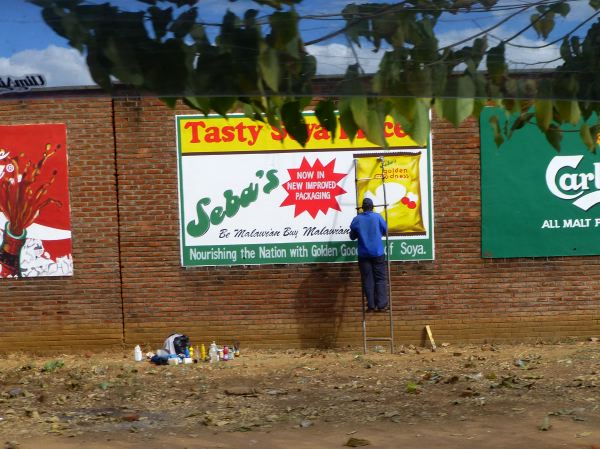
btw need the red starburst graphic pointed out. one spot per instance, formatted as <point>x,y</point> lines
<point>313,188</point>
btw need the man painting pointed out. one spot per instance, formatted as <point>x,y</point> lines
<point>369,228</point>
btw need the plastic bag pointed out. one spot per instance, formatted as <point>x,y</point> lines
<point>176,344</point>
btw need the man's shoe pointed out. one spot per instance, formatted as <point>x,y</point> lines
<point>370,310</point>
<point>384,309</point>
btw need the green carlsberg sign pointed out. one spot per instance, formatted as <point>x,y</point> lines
<point>536,201</point>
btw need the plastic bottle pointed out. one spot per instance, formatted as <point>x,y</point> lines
<point>213,353</point>
<point>137,353</point>
<point>191,352</point>
<point>202,352</point>
<point>225,353</point>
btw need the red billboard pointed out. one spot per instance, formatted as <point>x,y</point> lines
<point>34,202</point>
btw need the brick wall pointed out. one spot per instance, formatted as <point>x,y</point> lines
<point>134,223</point>
<point>83,310</point>
<point>462,296</point>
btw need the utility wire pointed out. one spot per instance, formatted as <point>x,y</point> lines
<point>555,41</point>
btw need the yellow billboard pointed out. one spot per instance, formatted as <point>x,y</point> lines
<point>215,134</point>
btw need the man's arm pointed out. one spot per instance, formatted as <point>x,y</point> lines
<point>354,229</point>
<point>383,225</point>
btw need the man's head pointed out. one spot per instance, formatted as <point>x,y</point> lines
<point>367,204</point>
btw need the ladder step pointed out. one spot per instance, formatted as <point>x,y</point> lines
<point>378,339</point>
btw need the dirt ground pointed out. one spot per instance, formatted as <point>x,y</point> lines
<point>479,396</point>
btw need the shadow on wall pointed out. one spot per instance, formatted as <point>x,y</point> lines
<point>322,301</point>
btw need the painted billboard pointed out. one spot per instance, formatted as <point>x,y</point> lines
<point>535,200</point>
<point>249,194</point>
<point>34,202</point>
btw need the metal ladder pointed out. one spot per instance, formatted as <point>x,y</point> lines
<point>390,338</point>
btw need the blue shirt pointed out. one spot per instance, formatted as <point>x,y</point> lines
<point>368,227</point>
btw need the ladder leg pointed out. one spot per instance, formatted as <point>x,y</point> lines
<point>388,262</point>
<point>362,289</point>
<point>364,320</point>
<point>390,310</point>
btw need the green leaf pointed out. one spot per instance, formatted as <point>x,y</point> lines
<point>496,64</point>
<point>325,112</point>
<point>413,115</point>
<point>488,4</point>
<point>347,119</point>
<point>198,34</point>
<point>170,102</point>
<point>356,24</point>
<point>565,49</point>
<point>124,64</point>
<point>304,102</point>
<point>184,23</point>
<point>554,136</point>
<point>269,67</point>
<point>586,137</point>
<point>459,105</point>
<point>160,19</point>
<point>478,107</point>
<point>568,111</point>
<point>284,29</point>
<point>576,45</point>
<point>98,68</point>
<point>562,8</point>
<point>544,112</point>
<point>199,103</point>
<point>520,122</point>
<point>498,138</point>
<point>421,126</point>
<point>359,108</point>
<point>543,23</point>
<point>293,120</point>
<point>404,110</point>
<point>374,129</point>
<point>222,105</point>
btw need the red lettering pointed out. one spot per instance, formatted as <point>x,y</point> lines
<point>277,134</point>
<point>309,129</point>
<point>321,134</point>
<point>228,134</point>
<point>240,132</point>
<point>398,131</point>
<point>212,135</point>
<point>388,125</point>
<point>359,134</point>
<point>194,126</point>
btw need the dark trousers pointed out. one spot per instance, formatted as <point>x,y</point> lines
<point>373,272</point>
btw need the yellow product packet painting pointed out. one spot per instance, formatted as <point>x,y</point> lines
<point>402,189</point>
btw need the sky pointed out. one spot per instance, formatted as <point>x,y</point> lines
<point>29,46</point>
